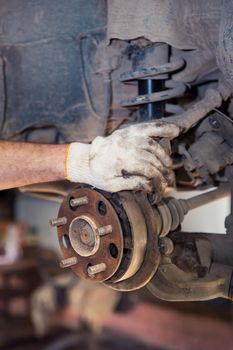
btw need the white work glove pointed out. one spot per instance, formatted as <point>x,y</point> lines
<point>126,160</point>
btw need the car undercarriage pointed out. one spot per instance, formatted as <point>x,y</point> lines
<point>75,70</point>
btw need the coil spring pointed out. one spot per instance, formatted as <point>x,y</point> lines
<point>173,88</point>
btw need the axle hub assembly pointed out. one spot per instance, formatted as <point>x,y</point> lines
<point>104,237</point>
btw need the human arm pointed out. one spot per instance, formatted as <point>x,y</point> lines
<point>23,164</point>
<point>126,160</point>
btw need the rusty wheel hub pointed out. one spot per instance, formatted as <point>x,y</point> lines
<point>104,237</point>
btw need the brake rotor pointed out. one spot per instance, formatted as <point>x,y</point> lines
<point>151,254</point>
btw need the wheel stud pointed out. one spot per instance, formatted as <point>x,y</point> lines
<point>93,270</point>
<point>68,262</point>
<point>58,221</point>
<point>105,230</point>
<point>77,202</point>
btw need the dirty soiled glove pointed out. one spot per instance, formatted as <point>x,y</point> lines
<point>126,160</point>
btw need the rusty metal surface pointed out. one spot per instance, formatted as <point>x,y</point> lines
<point>102,254</point>
<point>186,270</point>
<point>128,272</point>
<point>173,284</point>
<point>152,255</point>
<point>139,233</point>
<point>211,150</point>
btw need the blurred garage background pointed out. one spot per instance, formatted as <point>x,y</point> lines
<point>45,307</point>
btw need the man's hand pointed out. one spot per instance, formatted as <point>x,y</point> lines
<point>126,160</point>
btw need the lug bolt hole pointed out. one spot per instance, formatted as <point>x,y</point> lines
<point>113,250</point>
<point>72,208</point>
<point>86,269</point>
<point>66,241</point>
<point>101,208</point>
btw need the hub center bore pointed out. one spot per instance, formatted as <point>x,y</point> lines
<point>83,236</point>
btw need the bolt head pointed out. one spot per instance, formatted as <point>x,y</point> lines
<point>214,122</point>
<point>166,246</point>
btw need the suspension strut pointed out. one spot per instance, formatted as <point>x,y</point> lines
<point>154,83</point>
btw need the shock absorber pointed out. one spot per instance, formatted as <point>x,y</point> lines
<point>154,83</point>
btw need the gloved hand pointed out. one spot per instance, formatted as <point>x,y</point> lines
<point>126,160</point>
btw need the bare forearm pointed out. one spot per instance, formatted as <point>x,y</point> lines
<point>133,151</point>
<point>26,163</point>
